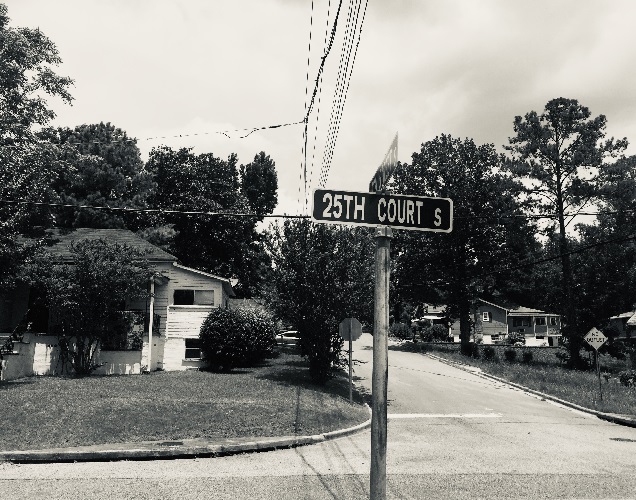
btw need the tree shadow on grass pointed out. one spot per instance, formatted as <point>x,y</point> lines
<point>294,372</point>
<point>7,385</point>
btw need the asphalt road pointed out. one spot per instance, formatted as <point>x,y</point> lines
<point>451,434</point>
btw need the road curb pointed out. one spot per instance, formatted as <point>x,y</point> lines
<point>188,448</point>
<point>610,417</point>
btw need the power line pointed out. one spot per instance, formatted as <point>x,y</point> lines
<point>303,177</point>
<point>342,85</point>
<point>249,130</point>
<point>199,212</point>
<point>313,154</point>
<point>146,210</point>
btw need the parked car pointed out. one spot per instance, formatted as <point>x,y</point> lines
<point>288,337</point>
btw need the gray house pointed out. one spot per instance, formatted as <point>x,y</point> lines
<point>493,323</point>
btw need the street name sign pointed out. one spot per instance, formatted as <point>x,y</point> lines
<point>418,213</point>
<point>386,168</point>
<point>595,338</point>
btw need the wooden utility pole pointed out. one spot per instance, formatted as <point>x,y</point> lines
<point>383,236</point>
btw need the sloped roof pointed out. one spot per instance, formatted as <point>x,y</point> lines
<point>632,320</point>
<point>519,310</point>
<point>623,315</point>
<point>60,242</point>
<point>227,284</point>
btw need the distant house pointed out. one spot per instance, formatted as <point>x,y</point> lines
<point>624,324</point>
<point>168,325</point>
<point>493,323</point>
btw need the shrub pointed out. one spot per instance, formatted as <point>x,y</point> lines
<point>562,356</point>
<point>236,337</point>
<point>510,355</point>
<point>490,353</point>
<point>526,357</point>
<point>474,350</point>
<point>434,333</point>
<point>516,338</point>
<point>400,330</point>
<point>628,378</point>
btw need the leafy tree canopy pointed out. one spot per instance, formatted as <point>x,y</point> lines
<point>26,78</point>
<point>259,184</point>
<point>85,297</point>
<point>488,229</point>
<point>562,154</point>
<point>222,244</point>
<point>321,275</point>
<point>98,165</point>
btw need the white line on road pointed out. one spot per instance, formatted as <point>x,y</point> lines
<point>444,415</point>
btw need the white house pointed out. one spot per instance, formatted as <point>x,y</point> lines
<point>169,319</point>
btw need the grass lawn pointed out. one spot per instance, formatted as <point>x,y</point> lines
<point>545,374</point>
<point>276,399</point>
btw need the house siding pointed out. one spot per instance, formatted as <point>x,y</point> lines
<point>175,323</point>
<point>497,324</point>
<point>119,363</point>
<point>180,322</point>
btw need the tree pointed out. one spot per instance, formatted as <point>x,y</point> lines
<point>561,154</point>
<point>26,78</point>
<point>607,293</point>
<point>221,244</point>
<point>259,184</point>
<point>98,165</point>
<point>85,297</point>
<point>490,236</point>
<point>321,275</point>
<point>26,74</point>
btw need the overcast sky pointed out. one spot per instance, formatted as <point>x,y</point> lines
<point>177,72</point>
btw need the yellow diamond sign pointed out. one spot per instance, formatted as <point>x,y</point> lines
<point>595,338</point>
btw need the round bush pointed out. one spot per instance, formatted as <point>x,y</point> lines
<point>233,338</point>
<point>400,330</point>
<point>526,357</point>
<point>434,333</point>
<point>628,378</point>
<point>489,353</point>
<point>510,355</point>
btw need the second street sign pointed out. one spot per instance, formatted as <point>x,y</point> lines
<point>419,213</point>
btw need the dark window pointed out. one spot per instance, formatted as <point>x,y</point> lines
<point>553,321</point>
<point>192,349</point>
<point>183,297</point>
<point>194,297</point>
<point>539,321</point>
<point>520,322</point>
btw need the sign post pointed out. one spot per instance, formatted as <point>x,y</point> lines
<point>382,211</point>
<point>596,339</point>
<point>350,329</point>
<point>379,380</point>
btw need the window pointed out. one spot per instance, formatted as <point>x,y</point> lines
<point>183,297</point>
<point>539,321</point>
<point>520,322</point>
<point>494,337</point>
<point>192,349</point>
<point>485,316</point>
<point>553,322</point>
<point>194,297</point>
